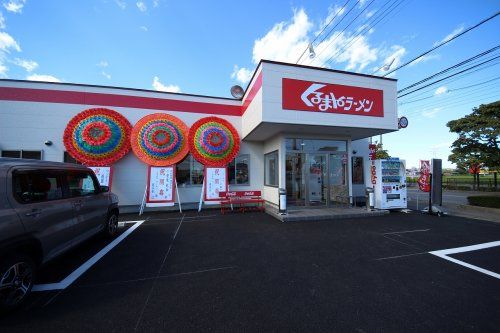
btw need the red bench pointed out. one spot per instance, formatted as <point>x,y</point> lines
<point>241,199</point>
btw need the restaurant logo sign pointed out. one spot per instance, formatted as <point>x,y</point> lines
<point>332,98</point>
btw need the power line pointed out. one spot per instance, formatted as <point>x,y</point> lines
<point>331,30</point>
<point>445,42</point>
<point>482,54</point>
<point>437,81</point>
<point>459,77</point>
<point>449,91</point>
<point>376,20</point>
<point>324,28</point>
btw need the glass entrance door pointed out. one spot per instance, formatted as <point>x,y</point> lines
<point>295,179</point>
<point>317,179</point>
<point>339,188</point>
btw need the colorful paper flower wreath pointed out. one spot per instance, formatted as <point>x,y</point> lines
<point>97,137</point>
<point>213,141</point>
<point>160,139</point>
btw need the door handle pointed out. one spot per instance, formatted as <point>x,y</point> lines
<point>34,212</point>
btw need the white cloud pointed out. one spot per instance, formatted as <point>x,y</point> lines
<point>15,6</point>
<point>143,28</point>
<point>3,69</point>
<point>106,75</point>
<point>432,113</point>
<point>2,21</point>
<point>441,90</point>
<point>370,13</point>
<point>157,85</point>
<point>28,65</point>
<point>42,77</point>
<point>457,30</point>
<point>102,63</point>
<point>121,3</point>
<point>142,6</point>
<point>242,75</point>
<point>7,43</point>
<point>285,41</point>
<point>156,3</point>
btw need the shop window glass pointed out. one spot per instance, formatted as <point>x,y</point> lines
<point>196,172</point>
<point>31,154</point>
<point>182,172</point>
<point>67,158</point>
<point>239,170</point>
<point>271,168</point>
<point>189,172</point>
<point>315,145</point>
<point>357,170</point>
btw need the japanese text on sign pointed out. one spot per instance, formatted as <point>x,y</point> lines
<point>215,182</point>
<point>332,98</point>
<point>161,184</point>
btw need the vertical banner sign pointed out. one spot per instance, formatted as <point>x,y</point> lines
<point>423,180</point>
<point>104,175</point>
<point>160,191</point>
<point>215,182</point>
<point>373,169</point>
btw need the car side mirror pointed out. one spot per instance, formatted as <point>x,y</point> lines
<point>104,188</point>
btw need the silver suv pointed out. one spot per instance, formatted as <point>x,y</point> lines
<point>46,208</point>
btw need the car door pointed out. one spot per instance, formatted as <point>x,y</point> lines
<point>38,198</point>
<point>90,204</point>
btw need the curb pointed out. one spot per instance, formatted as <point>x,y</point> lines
<point>480,209</point>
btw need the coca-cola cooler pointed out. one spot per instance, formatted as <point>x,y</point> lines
<point>390,184</point>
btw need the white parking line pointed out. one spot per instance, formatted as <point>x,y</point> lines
<point>405,231</point>
<point>444,254</point>
<point>89,263</point>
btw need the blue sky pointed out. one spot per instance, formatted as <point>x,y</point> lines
<point>203,47</point>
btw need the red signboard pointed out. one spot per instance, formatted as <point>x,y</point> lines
<point>332,98</point>
<point>373,151</point>
<point>424,180</point>
<point>232,194</point>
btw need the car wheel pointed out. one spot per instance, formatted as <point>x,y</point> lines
<point>111,227</point>
<point>17,275</point>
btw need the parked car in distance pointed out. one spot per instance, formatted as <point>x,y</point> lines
<point>46,208</point>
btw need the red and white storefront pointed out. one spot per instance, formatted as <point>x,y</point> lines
<point>302,128</point>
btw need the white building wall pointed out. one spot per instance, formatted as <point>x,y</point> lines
<point>272,102</point>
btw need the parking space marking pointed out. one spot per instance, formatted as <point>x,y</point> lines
<point>402,256</point>
<point>405,231</point>
<point>444,255</point>
<point>67,281</point>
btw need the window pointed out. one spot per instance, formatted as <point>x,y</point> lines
<point>189,172</point>
<point>238,170</point>
<point>67,158</point>
<point>357,170</point>
<point>36,186</point>
<point>315,145</point>
<point>31,154</point>
<point>271,165</point>
<point>81,184</point>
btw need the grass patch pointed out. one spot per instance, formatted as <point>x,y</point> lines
<point>484,201</point>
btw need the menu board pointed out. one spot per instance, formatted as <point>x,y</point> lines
<point>103,175</point>
<point>215,182</point>
<point>160,185</point>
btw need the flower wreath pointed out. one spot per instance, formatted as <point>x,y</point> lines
<point>97,137</point>
<point>160,139</point>
<point>213,141</point>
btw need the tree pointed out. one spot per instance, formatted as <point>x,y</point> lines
<point>478,143</point>
<point>381,153</point>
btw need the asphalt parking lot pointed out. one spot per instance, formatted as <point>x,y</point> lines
<point>248,272</point>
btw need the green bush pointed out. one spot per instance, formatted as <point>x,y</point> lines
<point>485,201</point>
